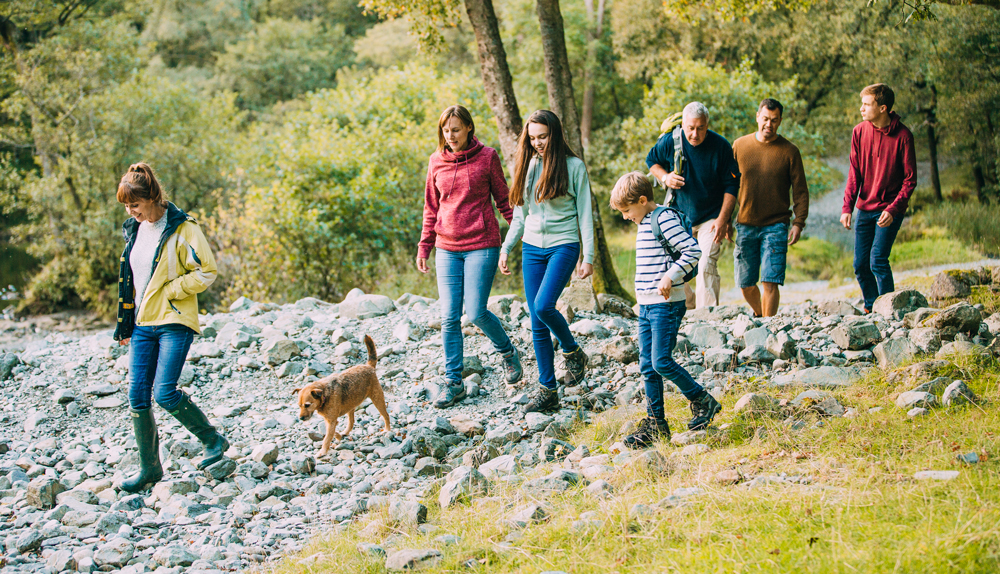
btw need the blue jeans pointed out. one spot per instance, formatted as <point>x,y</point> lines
<point>658,326</point>
<point>760,247</point>
<point>467,276</point>
<point>546,273</point>
<point>156,357</point>
<point>872,245</point>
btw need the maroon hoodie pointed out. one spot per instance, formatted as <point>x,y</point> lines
<point>458,213</point>
<point>883,168</point>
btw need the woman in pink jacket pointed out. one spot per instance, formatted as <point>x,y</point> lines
<point>462,178</point>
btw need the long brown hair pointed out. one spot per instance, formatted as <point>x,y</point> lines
<point>139,182</point>
<point>463,116</point>
<point>555,173</point>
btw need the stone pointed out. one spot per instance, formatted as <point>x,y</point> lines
<point>720,360</point>
<point>479,455</point>
<point>428,466</point>
<point>728,477</point>
<point>926,340</point>
<point>856,335</point>
<point>240,304</point>
<point>499,466</point>
<point>465,425</point>
<point>61,560</point>
<point>917,372</point>
<point>756,336</point>
<point>947,286</point>
<point>818,377</point>
<point>408,512</point>
<point>115,553</point>
<point>110,522</point>
<point>366,306</point>
<point>526,515</point>
<point>837,307</point>
<point>222,469</point>
<point>911,399</point>
<point>936,474</point>
<point>553,449</point>
<point>7,363</point>
<point>100,390</point>
<point>958,393</point>
<point>266,453</point>
<point>615,305</point>
<point>898,303</point>
<point>173,556</point>
<point>694,449</point>
<point>590,328</point>
<point>412,559</point>
<point>891,352</point>
<point>621,349</point>
<point>302,464</point>
<point>537,421</point>
<point>580,295</point>
<point>280,351</point>
<point>781,346</point>
<point>755,354</point>
<point>428,443</point>
<point>461,484</point>
<point>653,462</point>
<point>42,492</point>
<point>754,403</point>
<point>63,396</point>
<point>471,365</point>
<point>206,349</point>
<point>913,319</point>
<point>109,403</point>
<point>968,458</point>
<point>958,318</point>
<point>916,412</point>
<point>934,386</point>
<point>706,336</point>
<point>29,540</point>
<point>406,331</point>
<point>503,435</point>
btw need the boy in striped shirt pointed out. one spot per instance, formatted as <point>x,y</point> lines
<point>659,289</point>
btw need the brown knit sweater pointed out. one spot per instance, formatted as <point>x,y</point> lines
<point>767,172</point>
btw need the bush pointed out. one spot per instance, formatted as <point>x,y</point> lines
<point>971,222</point>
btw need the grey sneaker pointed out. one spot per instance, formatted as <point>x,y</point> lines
<point>543,400</point>
<point>512,364</point>
<point>576,367</point>
<point>703,410</point>
<point>451,394</point>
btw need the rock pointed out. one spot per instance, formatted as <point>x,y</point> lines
<point>580,295</point>
<point>926,340</point>
<point>427,443</point>
<point>100,390</point>
<point>947,286</point>
<point>7,363</point>
<point>891,352</point>
<point>960,348</point>
<point>302,464</point>
<point>406,331</point>
<point>706,336</point>
<point>855,335</point>
<point>615,305</point>
<point>819,402</point>
<point>754,403</point>
<point>781,346</point>
<point>755,354</point>
<point>428,466</point>
<point>590,328</point>
<point>480,455</point>
<point>601,488</point>
<point>622,349</point>
<point>42,492</point>
<point>500,305</point>
<point>526,515</point>
<point>756,336</point>
<point>728,477</point>
<point>110,522</point>
<point>366,306</point>
<point>466,426</point>
<point>553,449</point>
<point>934,386</point>
<point>898,303</point>
<point>173,556</point>
<point>911,399</point>
<point>280,351</point>
<point>653,462</point>
<point>29,540</point>
<point>471,365</point>
<point>936,474</point>
<point>916,412</point>
<point>837,308</point>
<point>958,318</point>
<point>109,403</point>
<point>913,319</point>
<point>206,349</point>
<point>266,453</point>
<point>240,304</point>
<point>63,396</point>
<point>61,560</point>
<point>916,372</point>
<point>818,377</point>
<point>499,466</point>
<point>720,360</point>
<point>537,421</point>
<point>968,458</point>
<point>115,553</point>
<point>461,484</point>
<point>958,393</point>
<point>412,559</point>
<point>408,512</point>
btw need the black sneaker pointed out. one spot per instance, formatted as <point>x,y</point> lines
<point>649,431</point>
<point>576,367</point>
<point>512,364</point>
<point>703,410</point>
<point>543,400</point>
<point>450,394</point>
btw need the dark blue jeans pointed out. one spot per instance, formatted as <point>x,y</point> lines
<point>872,245</point>
<point>546,273</point>
<point>156,357</point>
<point>467,276</point>
<point>658,326</point>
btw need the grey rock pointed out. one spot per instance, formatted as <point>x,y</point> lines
<point>100,390</point>
<point>61,560</point>
<point>109,403</point>
<point>898,303</point>
<point>429,466</point>
<point>7,363</point>
<point>480,455</point>
<point>960,348</point>
<point>622,349</point>
<point>115,553</point>
<point>173,556</point>
<point>706,336</point>
<point>110,522</point>
<point>266,453</point>
<point>720,360</point>
<point>503,435</point>
<point>427,443</point>
<point>526,515</point>
<point>499,466</point>
<point>958,318</point>
<point>615,305</point>
<point>580,295</point>
<point>412,559</point>
<point>926,339</point>
<point>855,335</point>
<point>537,421</point>
<point>281,350</point>
<point>29,540</point>
<point>472,365</point>
<point>818,377</point>
<point>916,412</point>
<point>891,352</point>
<point>947,286</point>
<point>781,346</point>
<point>837,308</point>
<point>461,484</point>
<point>911,399</point>
<point>756,354</point>
<point>590,328</point>
<point>553,449</point>
<point>756,336</point>
<point>366,306</point>
<point>958,393</point>
<point>222,469</point>
<point>63,396</point>
<point>968,458</point>
<point>42,492</point>
<point>913,319</point>
<point>754,403</point>
<point>934,386</point>
<point>408,512</point>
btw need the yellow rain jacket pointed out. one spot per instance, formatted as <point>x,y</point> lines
<point>182,267</point>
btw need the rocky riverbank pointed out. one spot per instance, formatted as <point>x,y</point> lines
<point>65,438</point>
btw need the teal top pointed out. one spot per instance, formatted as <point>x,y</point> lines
<point>565,219</point>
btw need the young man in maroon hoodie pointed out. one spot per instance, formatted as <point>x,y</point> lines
<point>881,179</point>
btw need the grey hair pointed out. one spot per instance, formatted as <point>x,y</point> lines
<point>696,110</point>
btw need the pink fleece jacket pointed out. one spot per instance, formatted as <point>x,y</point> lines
<point>458,213</point>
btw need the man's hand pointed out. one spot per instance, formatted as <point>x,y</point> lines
<point>845,220</point>
<point>793,234</point>
<point>124,342</point>
<point>721,229</point>
<point>503,264</point>
<point>422,265</point>
<point>885,220</point>
<point>664,287</point>
<point>673,181</point>
<point>585,270</point>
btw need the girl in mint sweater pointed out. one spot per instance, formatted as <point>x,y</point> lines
<point>552,213</point>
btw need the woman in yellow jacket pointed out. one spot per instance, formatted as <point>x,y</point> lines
<point>166,263</point>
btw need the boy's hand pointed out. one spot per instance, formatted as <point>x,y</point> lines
<point>503,264</point>
<point>585,270</point>
<point>665,286</point>
<point>884,220</point>
<point>845,220</point>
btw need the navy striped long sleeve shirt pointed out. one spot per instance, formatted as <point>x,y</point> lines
<point>652,262</point>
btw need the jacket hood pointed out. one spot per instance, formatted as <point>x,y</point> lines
<point>475,146</point>
<point>175,217</point>
<point>893,124</point>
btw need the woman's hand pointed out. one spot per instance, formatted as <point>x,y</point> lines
<point>124,342</point>
<point>503,264</point>
<point>585,270</point>
<point>422,265</point>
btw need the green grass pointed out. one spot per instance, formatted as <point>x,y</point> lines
<point>861,511</point>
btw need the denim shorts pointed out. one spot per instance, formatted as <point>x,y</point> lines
<point>760,247</point>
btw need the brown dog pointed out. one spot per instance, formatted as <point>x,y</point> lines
<point>341,393</point>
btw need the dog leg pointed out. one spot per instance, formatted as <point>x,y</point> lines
<point>331,430</point>
<point>378,399</point>
<point>350,422</point>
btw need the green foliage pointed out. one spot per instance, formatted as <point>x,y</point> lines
<point>971,222</point>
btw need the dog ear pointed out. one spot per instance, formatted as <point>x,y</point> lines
<point>317,394</point>
<point>295,391</point>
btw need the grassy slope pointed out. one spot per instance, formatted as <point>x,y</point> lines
<point>862,511</point>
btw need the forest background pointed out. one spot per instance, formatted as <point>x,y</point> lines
<point>298,132</point>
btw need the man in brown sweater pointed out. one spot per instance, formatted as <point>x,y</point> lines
<point>773,177</point>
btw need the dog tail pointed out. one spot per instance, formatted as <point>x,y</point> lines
<point>372,355</point>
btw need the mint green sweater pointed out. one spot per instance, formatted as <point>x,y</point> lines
<point>566,219</point>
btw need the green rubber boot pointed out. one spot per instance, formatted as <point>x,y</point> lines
<point>195,421</point>
<point>148,442</point>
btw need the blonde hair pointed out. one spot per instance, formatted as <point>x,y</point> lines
<point>629,188</point>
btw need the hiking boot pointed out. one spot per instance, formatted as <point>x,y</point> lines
<point>542,400</point>
<point>649,431</point>
<point>512,364</point>
<point>703,410</point>
<point>576,367</point>
<point>148,442</point>
<point>452,393</point>
<point>215,445</point>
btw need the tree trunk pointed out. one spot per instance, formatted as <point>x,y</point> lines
<point>977,173</point>
<point>590,69</point>
<point>560,88</point>
<point>932,141</point>
<point>496,76</point>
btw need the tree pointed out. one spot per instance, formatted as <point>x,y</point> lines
<point>590,68</point>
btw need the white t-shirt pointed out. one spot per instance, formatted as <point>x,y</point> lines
<point>143,252</point>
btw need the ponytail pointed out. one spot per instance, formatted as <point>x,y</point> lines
<point>139,182</point>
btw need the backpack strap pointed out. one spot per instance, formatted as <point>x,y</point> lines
<point>677,134</point>
<point>654,223</point>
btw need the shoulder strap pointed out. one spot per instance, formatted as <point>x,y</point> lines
<point>654,223</point>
